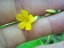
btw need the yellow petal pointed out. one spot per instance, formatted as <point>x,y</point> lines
<point>19,17</point>
<point>28,26</point>
<point>22,25</point>
<point>30,18</point>
<point>24,13</point>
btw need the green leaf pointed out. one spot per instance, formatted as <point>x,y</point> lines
<point>0,26</point>
<point>30,44</point>
<point>37,42</point>
<point>62,37</point>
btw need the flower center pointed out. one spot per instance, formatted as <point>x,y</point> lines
<point>27,19</point>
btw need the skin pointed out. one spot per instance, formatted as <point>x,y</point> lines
<point>11,36</point>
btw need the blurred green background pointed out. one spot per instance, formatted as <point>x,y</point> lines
<point>50,39</point>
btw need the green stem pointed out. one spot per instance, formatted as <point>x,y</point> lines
<point>48,39</point>
<point>8,24</point>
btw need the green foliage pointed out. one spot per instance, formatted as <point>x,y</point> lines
<point>62,36</point>
<point>0,26</point>
<point>30,44</point>
<point>51,39</point>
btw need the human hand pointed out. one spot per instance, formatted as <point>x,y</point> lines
<point>11,36</point>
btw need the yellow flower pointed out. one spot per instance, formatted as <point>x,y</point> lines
<point>25,19</point>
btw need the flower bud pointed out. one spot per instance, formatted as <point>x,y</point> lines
<point>51,11</point>
<point>35,18</point>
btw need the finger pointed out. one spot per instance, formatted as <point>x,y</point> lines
<point>43,26</point>
<point>9,8</point>
<point>11,36</point>
<point>56,45</point>
<point>38,7</point>
<point>7,11</point>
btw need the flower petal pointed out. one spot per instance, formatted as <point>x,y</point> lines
<point>22,25</point>
<point>28,26</point>
<point>19,17</point>
<point>30,18</point>
<point>24,13</point>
